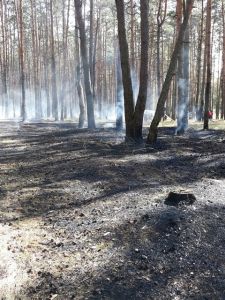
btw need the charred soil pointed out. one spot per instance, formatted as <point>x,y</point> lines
<point>84,215</point>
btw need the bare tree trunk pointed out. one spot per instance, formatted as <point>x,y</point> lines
<point>180,71</point>
<point>126,74</point>
<point>46,65</point>
<point>65,57</point>
<point>81,99</point>
<point>142,95</point>
<point>78,82</point>
<point>94,59</point>
<point>87,82</point>
<point>21,55</point>
<point>4,67</point>
<point>53,66</point>
<point>209,75</point>
<point>183,85</point>
<point>199,60</point>
<point>218,89</point>
<point>35,64</point>
<point>91,37</point>
<point>119,92</point>
<point>132,43</point>
<point>223,68</point>
<point>133,61</point>
<point>160,21</point>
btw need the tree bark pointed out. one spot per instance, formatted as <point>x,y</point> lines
<point>86,67</point>
<point>126,74</point>
<point>53,67</point>
<point>119,92</point>
<point>142,95</point>
<point>183,85</point>
<point>223,68</point>
<point>3,60</point>
<point>35,62</point>
<point>160,21</point>
<point>199,63</point>
<point>209,75</point>
<point>91,38</point>
<point>78,82</point>
<point>21,55</point>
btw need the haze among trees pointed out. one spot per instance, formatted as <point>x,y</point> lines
<point>61,60</point>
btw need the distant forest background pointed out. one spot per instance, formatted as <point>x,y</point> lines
<point>42,74</point>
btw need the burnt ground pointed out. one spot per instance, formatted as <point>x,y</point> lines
<point>83,215</point>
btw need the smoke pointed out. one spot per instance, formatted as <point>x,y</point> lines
<point>182,118</point>
<point>135,84</point>
<point>109,111</point>
<point>106,113</point>
<point>148,116</point>
<point>10,109</point>
<point>193,114</point>
<point>183,103</point>
<point>10,105</point>
<point>182,83</point>
<point>120,101</point>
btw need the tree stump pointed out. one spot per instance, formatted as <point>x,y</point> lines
<point>180,198</point>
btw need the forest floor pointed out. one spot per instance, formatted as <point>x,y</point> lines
<point>83,215</point>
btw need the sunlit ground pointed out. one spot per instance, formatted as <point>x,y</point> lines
<point>213,124</point>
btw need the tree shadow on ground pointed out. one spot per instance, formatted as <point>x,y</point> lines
<point>167,253</point>
<point>171,254</point>
<point>77,187</point>
<point>65,173</point>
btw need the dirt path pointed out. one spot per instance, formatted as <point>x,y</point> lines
<point>82,215</point>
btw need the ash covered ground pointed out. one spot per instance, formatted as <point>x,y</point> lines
<point>83,215</point>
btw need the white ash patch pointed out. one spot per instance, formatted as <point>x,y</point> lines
<point>11,276</point>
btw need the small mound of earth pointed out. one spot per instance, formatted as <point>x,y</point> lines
<point>181,198</point>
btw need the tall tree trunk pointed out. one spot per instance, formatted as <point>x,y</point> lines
<point>119,92</point>
<point>160,21</point>
<point>126,74</point>
<point>94,58</point>
<point>180,71</point>
<point>209,75</point>
<point>35,72</point>
<point>142,95</point>
<point>21,55</point>
<point>46,64</point>
<point>183,85</point>
<point>3,59</point>
<point>87,82</point>
<point>132,43</point>
<point>153,130</point>
<point>91,37</point>
<point>199,60</point>
<point>65,17</point>
<point>133,61</point>
<point>80,92</point>
<point>53,66</point>
<point>223,67</point>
